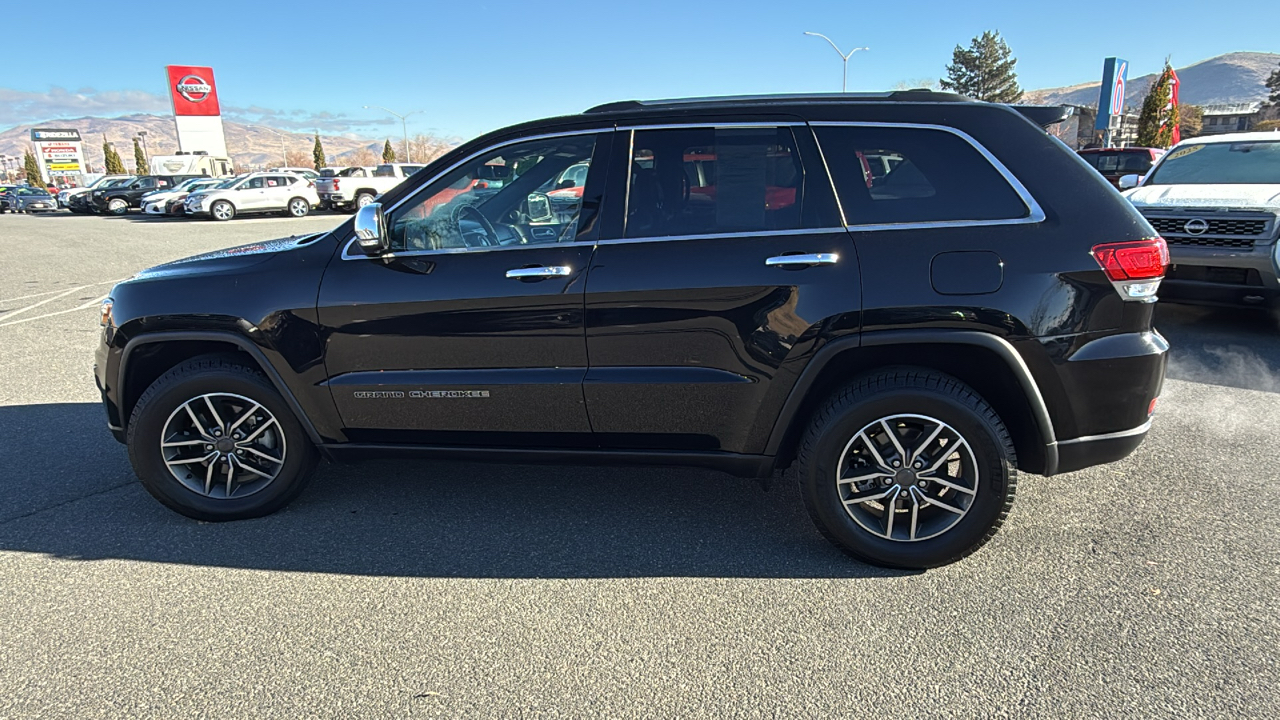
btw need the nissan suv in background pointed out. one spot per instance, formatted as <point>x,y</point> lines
<point>262,192</point>
<point>1216,200</point>
<point>730,289</point>
<point>1115,163</point>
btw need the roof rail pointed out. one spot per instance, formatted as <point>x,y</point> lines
<point>918,95</point>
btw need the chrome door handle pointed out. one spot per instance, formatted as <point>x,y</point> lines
<point>810,259</point>
<point>540,272</point>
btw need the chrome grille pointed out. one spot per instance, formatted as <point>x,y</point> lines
<point>1217,226</point>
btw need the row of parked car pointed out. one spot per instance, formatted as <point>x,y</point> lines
<point>294,192</point>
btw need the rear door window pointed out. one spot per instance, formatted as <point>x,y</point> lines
<point>700,181</point>
<point>893,175</point>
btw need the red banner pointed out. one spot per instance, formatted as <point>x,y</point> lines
<point>192,90</point>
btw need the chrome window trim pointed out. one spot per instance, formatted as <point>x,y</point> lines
<point>451,168</point>
<point>717,236</point>
<point>347,253</point>
<point>1035,214</point>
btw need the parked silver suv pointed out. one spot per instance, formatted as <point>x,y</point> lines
<point>1216,201</point>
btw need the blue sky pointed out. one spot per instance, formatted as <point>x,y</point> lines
<point>474,65</point>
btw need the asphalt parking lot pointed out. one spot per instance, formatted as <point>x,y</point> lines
<point>1147,588</point>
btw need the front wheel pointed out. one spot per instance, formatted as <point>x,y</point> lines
<point>907,468</point>
<point>117,206</point>
<point>298,207</point>
<point>213,440</point>
<point>222,210</point>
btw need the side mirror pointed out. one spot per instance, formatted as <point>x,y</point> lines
<point>540,208</point>
<point>371,230</point>
<point>1128,182</point>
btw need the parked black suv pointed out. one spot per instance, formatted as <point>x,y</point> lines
<point>907,298</point>
<point>119,199</point>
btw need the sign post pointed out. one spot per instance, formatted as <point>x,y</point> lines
<point>1115,74</point>
<point>60,155</point>
<point>196,113</point>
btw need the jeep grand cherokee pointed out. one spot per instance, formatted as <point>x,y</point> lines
<point>906,298</point>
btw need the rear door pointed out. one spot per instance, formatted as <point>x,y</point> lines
<point>724,258</point>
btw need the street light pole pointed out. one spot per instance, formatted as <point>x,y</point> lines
<point>404,126</point>
<point>844,83</point>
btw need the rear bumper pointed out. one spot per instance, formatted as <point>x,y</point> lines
<point>1083,452</point>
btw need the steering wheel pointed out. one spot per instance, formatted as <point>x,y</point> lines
<point>491,234</point>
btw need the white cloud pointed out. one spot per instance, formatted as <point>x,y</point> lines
<point>19,107</point>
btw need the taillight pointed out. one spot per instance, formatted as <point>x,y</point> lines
<point>310,184</point>
<point>1134,268</point>
<point>335,184</point>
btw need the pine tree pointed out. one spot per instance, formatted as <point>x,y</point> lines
<point>1273,84</point>
<point>317,153</point>
<point>111,158</point>
<point>139,158</point>
<point>32,169</point>
<point>1155,129</point>
<point>388,154</point>
<point>985,71</point>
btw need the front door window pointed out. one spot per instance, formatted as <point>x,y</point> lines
<point>528,193</point>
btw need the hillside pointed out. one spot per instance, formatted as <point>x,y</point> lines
<point>248,144</point>
<point>1231,78</point>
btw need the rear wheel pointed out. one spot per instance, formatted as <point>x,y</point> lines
<point>298,207</point>
<point>907,468</point>
<point>362,199</point>
<point>213,440</point>
<point>222,210</point>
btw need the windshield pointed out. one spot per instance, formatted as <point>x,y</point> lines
<point>1225,163</point>
<point>117,182</point>
<point>29,191</point>
<point>189,184</point>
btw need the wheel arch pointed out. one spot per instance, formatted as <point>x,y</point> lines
<point>146,357</point>
<point>985,362</point>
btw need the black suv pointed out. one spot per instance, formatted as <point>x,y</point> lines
<point>906,298</point>
<point>119,199</point>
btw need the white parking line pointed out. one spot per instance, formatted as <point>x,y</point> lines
<point>82,308</point>
<point>8,316</point>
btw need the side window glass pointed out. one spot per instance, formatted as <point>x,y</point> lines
<point>887,175</point>
<point>510,196</point>
<point>699,181</point>
<point>254,184</point>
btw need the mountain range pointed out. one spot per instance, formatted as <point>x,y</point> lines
<point>249,145</point>
<point>1232,78</point>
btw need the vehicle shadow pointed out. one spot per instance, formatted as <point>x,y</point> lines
<point>1232,347</point>
<point>410,518</point>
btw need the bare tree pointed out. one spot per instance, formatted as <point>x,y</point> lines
<point>429,147</point>
<point>360,157</point>
<point>926,83</point>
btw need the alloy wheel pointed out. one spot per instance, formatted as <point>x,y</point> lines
<point>907,477</point>
<point>222,211</point>
<point>298,207</point>
<point>223,446</point>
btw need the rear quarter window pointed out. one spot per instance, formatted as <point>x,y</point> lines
<point>891,175</point>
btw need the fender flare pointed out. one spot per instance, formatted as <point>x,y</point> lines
<point>239,341</point>
<point>996,344</point>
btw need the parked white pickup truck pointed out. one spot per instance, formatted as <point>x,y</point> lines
<point>359,186</point>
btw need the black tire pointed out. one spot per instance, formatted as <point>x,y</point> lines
<point>215,374</point>
<point>118,206</point>
<point>361,200</point>
<point>902,392</point>
<point>222,210</point>
<point>297,207</point>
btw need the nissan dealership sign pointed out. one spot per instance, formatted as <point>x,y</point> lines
<point>194,94</point>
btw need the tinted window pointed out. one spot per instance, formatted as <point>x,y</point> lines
<point>505,197</point>
<point>1120,162</point>
<point>904,175</point>
<point>253,183</point>
<point>699,181</point>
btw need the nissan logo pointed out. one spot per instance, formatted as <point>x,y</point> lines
<point>194,88</point>
<point>1196,226</point>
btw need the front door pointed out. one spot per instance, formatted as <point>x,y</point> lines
<point>471,331</point>
<point>711,289</point>
<point>251,194</point>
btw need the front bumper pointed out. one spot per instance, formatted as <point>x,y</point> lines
<point>1223,276</point>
